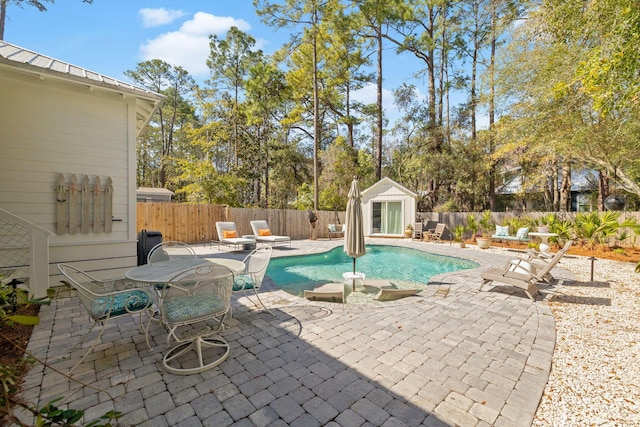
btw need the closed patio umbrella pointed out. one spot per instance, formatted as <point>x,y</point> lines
<point>354,235</point>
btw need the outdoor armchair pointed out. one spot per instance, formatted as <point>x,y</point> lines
<point>103,300</point>
<point>192,307</point>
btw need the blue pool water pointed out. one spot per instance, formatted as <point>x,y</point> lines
<point>401,265</point>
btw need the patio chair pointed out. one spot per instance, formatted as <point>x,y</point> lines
<point>103,301</point>
<point>540,259</point>
<point>170,250</point>
<point>263,234</point>
<point>417,231</point>
<point>335,232</point>
<point>518,273</point>
<point>228,235</point>
<point>250,280</point>
<point>436,233</point>
<point>196,302</point>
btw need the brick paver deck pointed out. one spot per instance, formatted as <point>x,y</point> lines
<point>451,356</point>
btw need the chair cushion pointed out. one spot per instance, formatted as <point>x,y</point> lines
<point>243,281</point>
<point>522,232</point>
<point>192,307</point>
<point>502,230</point>
<point>229,234</point>
<point>264,232</point>
<point>126,302</point>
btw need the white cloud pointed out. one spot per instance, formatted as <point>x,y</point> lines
<point>369,95</point>
<point>189,46</point>
<point>156,17</point>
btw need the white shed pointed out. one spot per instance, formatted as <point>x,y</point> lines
<point>388,208</point>
<point>68,165</point>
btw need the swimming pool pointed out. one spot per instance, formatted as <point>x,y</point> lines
<point>405,267</point>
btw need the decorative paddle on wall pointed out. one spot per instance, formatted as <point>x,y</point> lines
<point>83,207</point>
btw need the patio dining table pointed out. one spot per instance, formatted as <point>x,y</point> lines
<point>164,271</point>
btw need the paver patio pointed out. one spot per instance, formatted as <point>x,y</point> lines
<point>451,356</point>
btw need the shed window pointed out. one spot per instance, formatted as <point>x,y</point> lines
<point>387,217</point>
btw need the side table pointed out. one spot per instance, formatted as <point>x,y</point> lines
<point>353,277</point>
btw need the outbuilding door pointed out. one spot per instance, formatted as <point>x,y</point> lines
<point>386,218</point>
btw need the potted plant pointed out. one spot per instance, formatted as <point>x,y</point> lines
<point>472,225</point>
<point>408,232</point>
<point>458,234</point>
<point>486,226</point>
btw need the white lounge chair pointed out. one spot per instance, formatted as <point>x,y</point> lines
<point>228,235</point>
<point>518,273</point>
<point>263,234</point>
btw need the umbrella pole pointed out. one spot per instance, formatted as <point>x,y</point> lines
<point>353,281</point>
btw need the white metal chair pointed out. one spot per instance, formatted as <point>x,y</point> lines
<point>103,301</point>
<point>169,250</point>
<point>196,302</point>
<point>250,279</point>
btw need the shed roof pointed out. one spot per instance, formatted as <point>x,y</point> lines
<point>388,182</point>
<point>29,61</point>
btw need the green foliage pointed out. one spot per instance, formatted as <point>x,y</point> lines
<point>472,224</point>
<point>486,224</point>
<point>52,415</point>
<point>304,201</point>
<point>458,232</point>
<point>448,206</point>
<point>594,229</point>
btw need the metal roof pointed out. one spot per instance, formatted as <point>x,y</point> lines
<point>45,66</point>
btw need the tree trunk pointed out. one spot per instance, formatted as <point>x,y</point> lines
<point>565,188</point>
<point>316,114</point>
<point>603,188</point>
<point>379,105</point>
<point>554,187</point>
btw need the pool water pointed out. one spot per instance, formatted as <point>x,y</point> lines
<point>404,267</point>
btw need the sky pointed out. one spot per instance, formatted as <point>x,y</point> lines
<point>113,36</point>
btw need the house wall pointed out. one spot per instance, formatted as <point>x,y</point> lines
<point>50,126</point>
<point>387,191</point>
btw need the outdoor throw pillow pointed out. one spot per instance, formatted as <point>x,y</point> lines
<point>332,228</point>
<point>229,234</point>
<point>522,232</point>
<point>264,232</point>
<point>502,230</point>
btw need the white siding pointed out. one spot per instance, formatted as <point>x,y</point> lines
<point>387,190</point>
<point>49,127</point>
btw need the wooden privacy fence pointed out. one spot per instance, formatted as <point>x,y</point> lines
<point>197,223</point>
<point>192,223</point>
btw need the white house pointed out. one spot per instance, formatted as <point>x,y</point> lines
<point>67,168</point>
<point>388,208</point>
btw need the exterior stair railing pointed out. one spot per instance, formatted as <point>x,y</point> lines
<point>24,254</point>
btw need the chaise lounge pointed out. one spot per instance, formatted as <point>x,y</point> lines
<point>263,234</point>
<point>521,274</point>
<point>228,235</point>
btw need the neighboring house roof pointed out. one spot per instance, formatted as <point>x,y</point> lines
<point>581,180</point>
<point>154,193</point>
<point>387,183</point>
<point>46,67</point>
